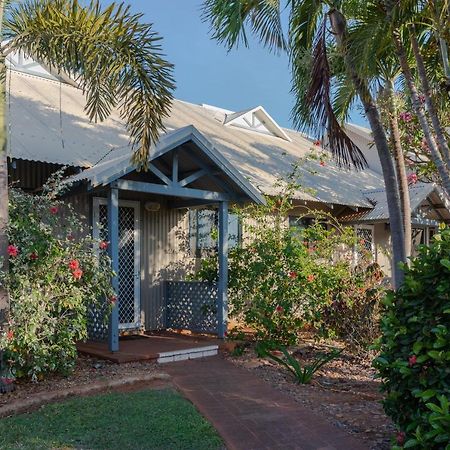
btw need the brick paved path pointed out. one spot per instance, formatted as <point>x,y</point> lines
<point>250,414</point>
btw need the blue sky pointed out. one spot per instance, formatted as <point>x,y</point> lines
<point>206,73</point>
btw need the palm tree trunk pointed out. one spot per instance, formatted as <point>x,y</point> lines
<point>426,89</point>
<point>338,25</point>
<point>400,166</point>
<point>434,150</point>
<point>4,300</point>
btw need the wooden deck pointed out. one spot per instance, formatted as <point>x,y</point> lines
<point>161,347</point>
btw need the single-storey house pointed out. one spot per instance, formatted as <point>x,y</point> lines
<point>207,159</point>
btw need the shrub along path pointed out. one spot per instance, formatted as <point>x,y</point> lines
<point>251,414</point>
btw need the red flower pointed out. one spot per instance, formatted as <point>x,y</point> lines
<point>412,360</point>
<point>54,210</point>
<point>13,250</point>
<point>74,264</point>
<point>103,245</point>
<point>292,274</point>
<point>7,380</point>
<point>322,163</point>
<point>77,274</point>
<point>113,299</point>
<point>33,256</point>
<point>316,142</point>
<point>10,335</point>
<point>406,116</point>
<point>412,178</point>
<point>279,309</point>
<point>400,438</point>
<point>310,278</point>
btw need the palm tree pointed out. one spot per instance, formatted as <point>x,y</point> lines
<point>408,21</point>
<point>309,42</point>
<point>112,56</point>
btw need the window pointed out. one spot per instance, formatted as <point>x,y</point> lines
<point>300,223</point>
<point>364,234</point>
<point>203,230</point>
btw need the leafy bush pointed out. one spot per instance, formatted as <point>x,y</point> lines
<point>353,315</point>
<point>284,278</point>
<point>414,361</point>
<point>55,272</point>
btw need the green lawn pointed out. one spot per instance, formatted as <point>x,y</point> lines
<point>150,419</point>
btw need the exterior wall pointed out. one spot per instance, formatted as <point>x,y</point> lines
<point>382,240</point>
<point>165,256</point>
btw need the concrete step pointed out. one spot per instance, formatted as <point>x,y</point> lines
<point>189,353</point>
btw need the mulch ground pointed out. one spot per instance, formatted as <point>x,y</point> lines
<point>87,371</point>
<point>345,392</point>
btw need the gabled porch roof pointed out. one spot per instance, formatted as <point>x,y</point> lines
<point>182,164</point>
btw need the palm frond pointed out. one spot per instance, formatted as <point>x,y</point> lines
<point>116,59</point>
<point>317,103</point>
<point>229,20</point>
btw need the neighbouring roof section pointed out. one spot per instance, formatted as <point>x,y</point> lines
<point>48,123</point>
<point>428,201</point>
<point>194,153</point>
<point>257,120</point>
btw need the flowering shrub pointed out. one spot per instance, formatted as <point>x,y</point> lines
<point>414,356</point>
<point>353,314</point>
<point>284,278</point>
<point>55,272</point>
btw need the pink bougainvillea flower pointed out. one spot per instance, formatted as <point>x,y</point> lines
<point>113,299</point>
<point>422,98</point>
<point>292,274</point>
<point>103,245</point>
<point>10,335</point>
<point>74,264</point>
<point>7,380</point>
<point>406,116</point>
<point>400,438</point>
<point>13,250</point>
<point>412,360</point>
<point>33,256</point>
<point>310,278</point>
<point>316,142</point>
<point>77,274</point>
<point>412,178</point>
<point>322,163</point>
<point>54,210</point>
<point>279,308</point>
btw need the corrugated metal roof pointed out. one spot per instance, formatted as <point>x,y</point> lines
<point>36,135</point>
<point>418,194</point>
<point>114,168</point>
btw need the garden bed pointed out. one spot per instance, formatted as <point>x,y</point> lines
<point>87,372</point>
<point>344,392</point>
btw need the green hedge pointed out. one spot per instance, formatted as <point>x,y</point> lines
<point>414,361</point>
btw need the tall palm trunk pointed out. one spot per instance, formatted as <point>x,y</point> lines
<point>3,181</point>
<point>426,89</point>
<point>432,145</point>
<point>4,301</point>
<point>338,26</point>
<point>400,166</point>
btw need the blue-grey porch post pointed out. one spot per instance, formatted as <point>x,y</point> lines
<point>222,285</point>
<point>113,235</point>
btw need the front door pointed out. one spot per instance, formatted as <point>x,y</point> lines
<point>129,295</point>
